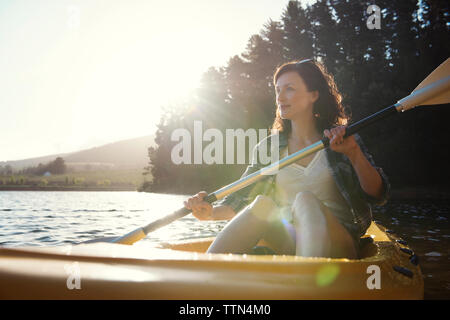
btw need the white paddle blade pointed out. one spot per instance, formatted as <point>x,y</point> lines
<point>435,89</point>
<point>439,73</point>
<point>442,71</point>
<point>443,98</point>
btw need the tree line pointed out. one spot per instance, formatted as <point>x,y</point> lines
<point>373,68</point>
<point>57,166</point>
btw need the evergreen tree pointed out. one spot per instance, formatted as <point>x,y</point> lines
<point>298,35</point>
<point>263,55</point>
<point>324,30</point>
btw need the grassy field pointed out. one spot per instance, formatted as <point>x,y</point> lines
<point>87,180</point>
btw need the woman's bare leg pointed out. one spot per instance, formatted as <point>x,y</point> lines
<point>249,226</point>
<point>319,233</point>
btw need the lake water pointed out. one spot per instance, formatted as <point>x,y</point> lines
<point>425,225</point>
<point>61,218</point>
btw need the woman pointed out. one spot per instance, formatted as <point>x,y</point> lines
<point>319,206</point>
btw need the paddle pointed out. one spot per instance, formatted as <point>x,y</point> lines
<point>434,89</point>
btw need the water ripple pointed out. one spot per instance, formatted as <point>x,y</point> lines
<point>45,238</point>
<point>36,231</point>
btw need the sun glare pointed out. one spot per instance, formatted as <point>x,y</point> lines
<point>146,72</point>
<point>119,86</point>
<point>95,71</point>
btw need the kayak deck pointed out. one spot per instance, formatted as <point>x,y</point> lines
<point>184,271</point>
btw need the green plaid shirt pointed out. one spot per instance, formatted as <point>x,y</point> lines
<point>360,203</point>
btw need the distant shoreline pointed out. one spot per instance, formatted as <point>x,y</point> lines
<point>398,194</point>
<point>53,188</point>
<point>411,193</point>
<point>109,180</point>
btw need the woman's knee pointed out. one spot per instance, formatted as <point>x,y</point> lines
<point>305,199</point>
<point>306,206</point>
<point>262,207</point>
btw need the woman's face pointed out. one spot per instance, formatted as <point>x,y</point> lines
<point>293,98</point>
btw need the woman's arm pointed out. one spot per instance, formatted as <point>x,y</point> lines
<point>369,178</point>
<point>222,213</point>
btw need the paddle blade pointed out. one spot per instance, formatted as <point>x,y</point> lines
<point>435,89</point>
<point>443,98</point>
<point>131,237</point>
<point>105,239</point>
<point>439,73</point>
<point>442,71</point>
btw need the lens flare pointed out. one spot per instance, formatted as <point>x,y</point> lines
<point>327,275</point>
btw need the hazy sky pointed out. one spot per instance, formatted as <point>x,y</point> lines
<point>78,74</point>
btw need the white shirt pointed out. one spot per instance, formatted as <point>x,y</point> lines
<point>315,178</point>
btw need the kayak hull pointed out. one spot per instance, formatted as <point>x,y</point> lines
<point>183,271</point>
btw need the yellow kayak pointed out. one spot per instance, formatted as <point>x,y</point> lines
<point>387,269</point>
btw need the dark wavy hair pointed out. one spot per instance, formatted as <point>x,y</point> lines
<point>328,109</point>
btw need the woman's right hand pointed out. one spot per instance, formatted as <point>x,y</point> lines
<point>202,210</point>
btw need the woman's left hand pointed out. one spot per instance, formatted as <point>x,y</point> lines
<point>340,144</point>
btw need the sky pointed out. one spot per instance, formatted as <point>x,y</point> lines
<point>78,74</point>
